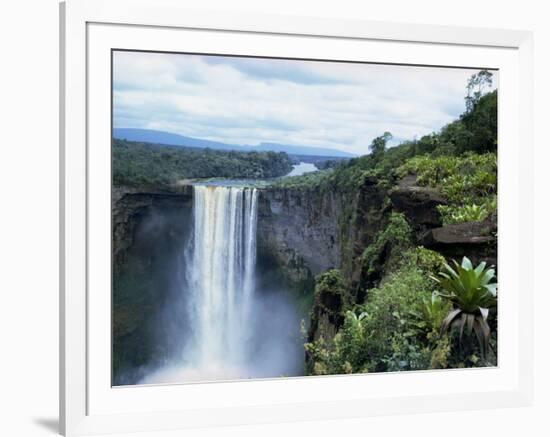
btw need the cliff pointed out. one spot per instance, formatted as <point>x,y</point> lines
<point>305,232</point>
<point>302,233</point>
<point>131,205</point>
<point>150,230</point>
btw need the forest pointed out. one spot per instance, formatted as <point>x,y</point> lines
<point>144,164</point>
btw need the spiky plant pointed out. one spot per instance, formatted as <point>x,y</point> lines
<point>472,293</point>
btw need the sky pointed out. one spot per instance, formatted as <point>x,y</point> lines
<point>311,103</point>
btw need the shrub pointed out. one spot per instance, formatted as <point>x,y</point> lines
<point>396,329</point>
<point>332,283</point>
<point>307,181</point>
<point>388,246</point>
<point>472,293</point>
<point>468,213</point>
<point>468,182</point>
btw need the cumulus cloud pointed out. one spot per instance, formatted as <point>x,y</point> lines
<point>250,100</point>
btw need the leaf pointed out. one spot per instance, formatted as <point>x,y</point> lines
<point>483,333</point>
<point>487,276</point>
<point>479,335</point>
<point>462,323</point>
<point>470,324</point>
<point>492,288</point>
<point>480,268</point>
<point>467,264</point>
<point>484,312</point>
<point>450,270</point>
<point>449,319</point>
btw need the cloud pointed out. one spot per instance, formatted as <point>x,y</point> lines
<point>252,100</point>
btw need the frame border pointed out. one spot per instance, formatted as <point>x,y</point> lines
<point>74,16</point>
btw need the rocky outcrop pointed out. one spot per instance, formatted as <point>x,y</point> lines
<point>327,315</point>
<point>476,240</point>
<point>419,204</point>
<point>131,205</point>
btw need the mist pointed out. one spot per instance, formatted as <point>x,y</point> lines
<point>218,321</point>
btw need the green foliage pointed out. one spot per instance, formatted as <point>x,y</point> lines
<point>307,181</point>
<point>475,132</point>
<point>427,260</point>
<point>476,85</point>
<point>481,126</point>
<point>468,213</point>
<point>331,282</point>
<point>378,145</point>
<point>431,313</point>
<point>328,163</point>
<point>142,164</point>
<point>472,293</point>
<point>469,182</point>
<point>396,329</point>
<point>388,246</point>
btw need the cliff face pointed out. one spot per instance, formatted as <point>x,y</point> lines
<point>298,232</point>
<point>131,205</point>
<point>150,231</point>
<point>302,233</point>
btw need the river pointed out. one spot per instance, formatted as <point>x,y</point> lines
<point>301,168</point>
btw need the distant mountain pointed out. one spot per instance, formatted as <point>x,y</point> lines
<point>171,139</point>
<point>303,150</point>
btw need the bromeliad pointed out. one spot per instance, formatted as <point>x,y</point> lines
<point>472,293</point>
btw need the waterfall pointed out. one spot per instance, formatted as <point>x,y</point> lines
<point>219,328</point>
<point>221,275</point>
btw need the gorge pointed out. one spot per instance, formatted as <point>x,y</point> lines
<point>228,272</point>
<point>291,264</point>
<point>213,323</point>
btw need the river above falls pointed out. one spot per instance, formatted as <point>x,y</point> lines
<point>302,168</point>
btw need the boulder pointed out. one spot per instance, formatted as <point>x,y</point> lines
<point>476,240</point>
<point>419,204</point>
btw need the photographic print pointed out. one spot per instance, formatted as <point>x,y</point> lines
<point>293,218</point>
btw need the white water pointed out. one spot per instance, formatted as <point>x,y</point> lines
<point>225,328</point>
<point>220,276</point>
<point>221,273</point>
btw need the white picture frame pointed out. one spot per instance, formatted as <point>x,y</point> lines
<point>88,403</point>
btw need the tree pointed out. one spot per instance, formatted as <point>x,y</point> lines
<point>477,85</point>
<point>378,145</point>
<point>481,125</point>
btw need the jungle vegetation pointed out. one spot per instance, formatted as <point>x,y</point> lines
<point>144,164</point>
<point>426,311</point>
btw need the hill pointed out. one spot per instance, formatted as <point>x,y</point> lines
<point>160,137</point>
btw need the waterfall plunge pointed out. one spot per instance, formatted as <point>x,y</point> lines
<point>221,274</point>
<point>219,270</point>
<point>220,328</point>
